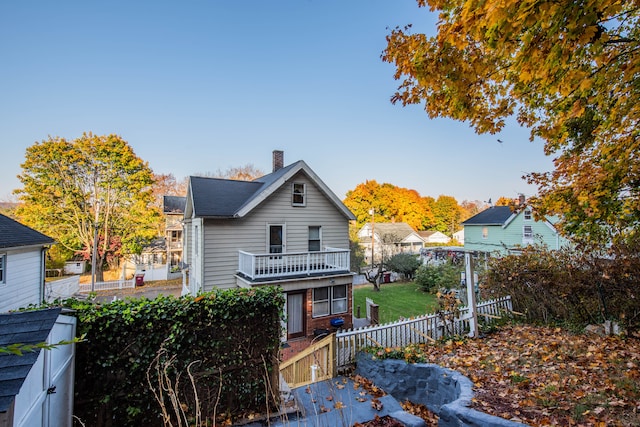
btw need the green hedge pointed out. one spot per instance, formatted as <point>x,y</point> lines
<point>224,342</point>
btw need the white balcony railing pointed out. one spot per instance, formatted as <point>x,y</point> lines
<point>271,266</point>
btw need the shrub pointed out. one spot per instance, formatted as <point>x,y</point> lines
<point>578,286</point>
<point>444,275</point>
<point>404,263</point>
<point>218,352</point>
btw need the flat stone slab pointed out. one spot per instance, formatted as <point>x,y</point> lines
<point>337,402</point>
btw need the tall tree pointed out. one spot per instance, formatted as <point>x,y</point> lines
<point>91,186</point>
<point>247,172</point>
<point>569,70</point>
<point>447,214</point>
<point>390,203</point>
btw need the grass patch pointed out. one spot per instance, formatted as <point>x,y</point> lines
<point>396,300</point>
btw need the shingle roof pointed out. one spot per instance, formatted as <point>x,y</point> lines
<point>495,215</point>
<point>27,327</point>
<point>13,234</point>
<point>214,197</point>
<point>225,198</point>
<point>399,229</point>
<point>173,204</point>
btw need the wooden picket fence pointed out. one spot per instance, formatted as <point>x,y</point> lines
<point>313,364</point>
<point>112,284</point>
<point>412,331</point>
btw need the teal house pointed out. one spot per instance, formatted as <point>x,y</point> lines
<point>501,230</point>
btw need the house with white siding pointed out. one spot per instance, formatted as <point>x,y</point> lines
<point>286,228</point>
<point>22,264</point>
<point>388,239</point>
<point>36,388</point>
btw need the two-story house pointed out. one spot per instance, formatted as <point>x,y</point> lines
<point>173,210</point>
<point>502,230</point>
<point>388,239</point>
<point>286,228</point>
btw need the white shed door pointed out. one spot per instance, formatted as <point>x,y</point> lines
<point>46,397</point>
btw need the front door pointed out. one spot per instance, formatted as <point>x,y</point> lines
<point>295,315</point>
<point>276,239</point>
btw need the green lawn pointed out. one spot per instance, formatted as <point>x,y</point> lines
<point>395,300</point>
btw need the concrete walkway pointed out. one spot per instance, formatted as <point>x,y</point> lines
<point>339,402</point>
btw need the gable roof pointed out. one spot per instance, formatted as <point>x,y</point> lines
<point>400,229</point>
<point>226,198</point>
<point>173,204</point>
<point>495,215</point>
<point>13,234</point>
<point>26,327</point>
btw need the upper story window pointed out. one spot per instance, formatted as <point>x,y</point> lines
<point>485,233</point>
<point>527,215</point>
<point>527,233</point>
<point>299,196</point>
<point>315,238</point>
<point>3,269</point>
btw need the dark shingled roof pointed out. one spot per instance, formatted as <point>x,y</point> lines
<point>495,215</point>
<point>13,234</point>
<point>27,327</point>
<point>223,198</point>
<point>173,204</point>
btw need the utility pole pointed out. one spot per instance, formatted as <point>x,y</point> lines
<point>372,213</point>
<point>95,245</point>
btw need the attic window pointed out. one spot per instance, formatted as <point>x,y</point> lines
<point>527,215</point>
<point>3,268</point>
<point>299,196</point>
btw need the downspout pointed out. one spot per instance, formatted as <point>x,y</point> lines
<point>43,276</point>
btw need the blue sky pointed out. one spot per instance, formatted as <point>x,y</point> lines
<point>201,86</point>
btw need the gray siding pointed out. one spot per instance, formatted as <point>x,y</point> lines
<point>23,279</point>
<point>224,238</point>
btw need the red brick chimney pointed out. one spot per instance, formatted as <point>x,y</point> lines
<point>278,160</point>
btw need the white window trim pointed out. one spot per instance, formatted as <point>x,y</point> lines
<point>268,238</point>
<point>528,216</point>
<point>319,237</point>
<point>314,302</point>
<point>293,194</point>
<point>3,265</point>
<point>527,236</point>
<point>329,301</point>
<point>345,299</point>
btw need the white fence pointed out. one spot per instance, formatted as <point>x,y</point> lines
<point>105,286</point>
<point>419,330</point>
<point>61,288</point>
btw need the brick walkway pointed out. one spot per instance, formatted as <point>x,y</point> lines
<point>293,347</point>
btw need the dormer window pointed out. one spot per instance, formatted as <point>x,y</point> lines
<point>527,215</point>
<point>299,196</point>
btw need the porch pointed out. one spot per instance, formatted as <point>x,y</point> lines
<point>259,267</point>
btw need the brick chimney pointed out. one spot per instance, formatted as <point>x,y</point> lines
<point>278,160</point>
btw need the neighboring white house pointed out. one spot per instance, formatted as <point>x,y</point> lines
<point>36,389</point>
<point>436,237</point>
<point>22,264</point>
<point>459,236</point>
<point>389,239</point>
<point>286,228</point>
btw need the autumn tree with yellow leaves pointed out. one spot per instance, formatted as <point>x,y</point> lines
<point>568,70</point>
<point>93,190</point>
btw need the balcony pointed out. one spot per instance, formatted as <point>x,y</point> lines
<point>264,267</point>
